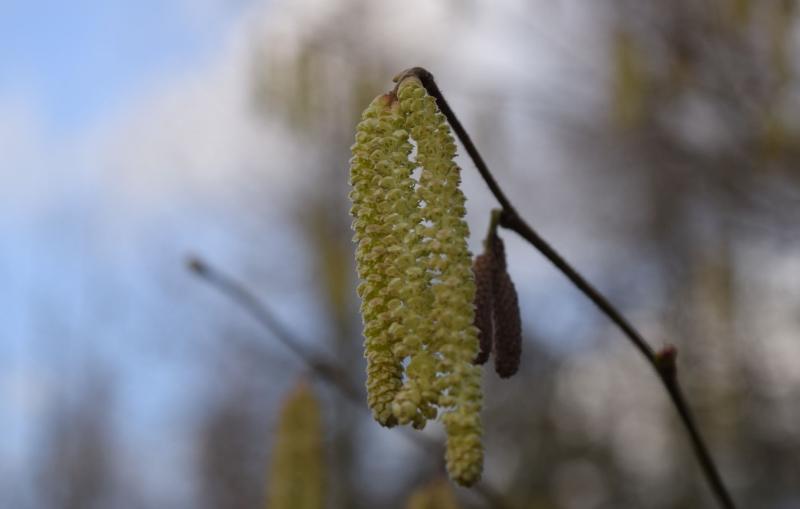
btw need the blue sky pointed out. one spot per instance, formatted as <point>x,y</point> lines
<point>82,272</point>
<point>67,68</point>
<point>78,60</point>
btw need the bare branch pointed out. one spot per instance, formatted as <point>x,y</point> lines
<point>663,364</point>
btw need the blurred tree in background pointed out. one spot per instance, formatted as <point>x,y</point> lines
<point>78,458</point>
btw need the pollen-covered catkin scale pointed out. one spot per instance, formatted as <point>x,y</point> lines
<point>482,268</point>
<point>377,170</point>
<point>296,473</point>
<point>454,338</point>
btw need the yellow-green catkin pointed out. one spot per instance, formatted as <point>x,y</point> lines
<point>434,495</point>
<point>382,197</point>
<point>296,471</point>
<point>454,341</point>
<point>417,286</point>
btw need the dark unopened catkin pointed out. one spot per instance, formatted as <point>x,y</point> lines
<point>507,326</point>
<point>498,252</point>
<point>484,274</point>
<point>497,315</point>
<point>507,339</point>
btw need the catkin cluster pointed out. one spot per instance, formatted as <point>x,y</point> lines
<point>496,308</point>
<point>296,473</point>
<point>417,287</point>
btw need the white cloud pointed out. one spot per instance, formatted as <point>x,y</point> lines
<point>191,131</point>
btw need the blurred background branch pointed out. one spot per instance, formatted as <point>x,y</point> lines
<point>330,372</point>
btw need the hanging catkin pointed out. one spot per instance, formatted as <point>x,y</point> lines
<point>506,316</point>
<point>417,287</point>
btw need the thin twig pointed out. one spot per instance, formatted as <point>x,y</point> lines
<point>662,362</point>
<point>318,364</point>
<point>250,303</point>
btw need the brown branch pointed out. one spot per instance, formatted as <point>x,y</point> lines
<point>250,303</point>
<point>318,364</point>
<point>662,362</point>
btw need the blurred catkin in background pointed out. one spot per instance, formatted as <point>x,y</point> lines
<point>296,475</point>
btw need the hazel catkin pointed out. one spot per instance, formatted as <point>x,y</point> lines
<point>507,327</point>
<point>417,286</point>
<point>497,313</point>
<point>484,274</point>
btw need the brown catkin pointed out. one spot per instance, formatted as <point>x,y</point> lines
<point>507,326</point>
<point>501,328</point>
<point>498,251</point>
<point>484,274</point>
